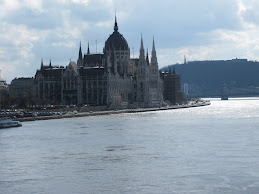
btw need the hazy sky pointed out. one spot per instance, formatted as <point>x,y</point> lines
<point>52,29</point>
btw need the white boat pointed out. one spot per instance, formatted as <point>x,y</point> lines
<point>6,122</point>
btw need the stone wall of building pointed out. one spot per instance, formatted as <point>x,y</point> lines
<point>172,88</point>
<point>21,87</point>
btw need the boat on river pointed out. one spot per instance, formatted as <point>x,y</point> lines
<point>224,97</point>
<point>6,122</point>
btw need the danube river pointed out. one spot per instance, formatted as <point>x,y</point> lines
<point>212,149</point>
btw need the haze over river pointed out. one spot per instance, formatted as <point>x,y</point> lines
<point>212,149</point>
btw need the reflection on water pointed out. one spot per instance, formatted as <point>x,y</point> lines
<point>211,149</point>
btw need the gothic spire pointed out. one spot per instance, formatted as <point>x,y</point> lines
<point>141,51</point>
<point>88,50</point>
<point>147,59</point>
<point>153,47</point>
<point>50,63</point>
<point>41,63</point>
<point>153,54</point>
<point>80,52</point>
<point>141,44</point>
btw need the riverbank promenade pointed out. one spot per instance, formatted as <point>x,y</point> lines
<point>97,113</point>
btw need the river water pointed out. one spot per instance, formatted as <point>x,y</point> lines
<point>212,149</point>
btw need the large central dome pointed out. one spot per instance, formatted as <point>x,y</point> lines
<point>116,41</point>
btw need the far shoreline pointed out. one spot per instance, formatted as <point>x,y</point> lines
<point>111,112</point>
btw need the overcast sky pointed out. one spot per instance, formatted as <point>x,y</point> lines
<point>52,29</point>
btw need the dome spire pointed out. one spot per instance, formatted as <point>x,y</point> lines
<point>88,50</point>
<point>115,24</point>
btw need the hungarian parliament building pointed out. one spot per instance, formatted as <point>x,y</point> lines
<point>109,79</point>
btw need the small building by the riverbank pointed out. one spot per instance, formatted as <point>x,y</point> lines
<point>172,87</point>
<point>22,86</point>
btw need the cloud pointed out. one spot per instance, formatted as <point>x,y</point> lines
<point>201,29</point>
<point>84,2</point>
<point>249,12</point>
<point>16,49</point>
<point>224,44</point>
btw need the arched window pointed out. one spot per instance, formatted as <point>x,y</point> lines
<point>41,86</point>
<point>46,87</point>
<point>51,86</point>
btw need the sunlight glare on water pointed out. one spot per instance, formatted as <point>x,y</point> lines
<point>212,149</point>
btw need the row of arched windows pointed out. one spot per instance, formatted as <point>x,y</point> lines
<point>49,86</point>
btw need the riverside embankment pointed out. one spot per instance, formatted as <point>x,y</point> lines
<point>97,113</point>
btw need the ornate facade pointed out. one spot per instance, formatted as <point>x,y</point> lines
<point>112,78</point>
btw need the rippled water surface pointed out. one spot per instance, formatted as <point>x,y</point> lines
<point>213,149</point>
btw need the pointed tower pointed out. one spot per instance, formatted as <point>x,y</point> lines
<point>88,49</point>
<point>117,53</point>
<point>117,45</point>
<point>147,58</point>
<point>142,61</point>
<point>50,63</point>
<point>153,55</point>
<point>141,50</point>
<point>41,65</point>
<point>154,78</point>
<point>116,28</point>
<point>80,56</point>
<point>142,78</point>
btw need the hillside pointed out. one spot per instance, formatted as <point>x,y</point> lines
<point>205,78</point>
